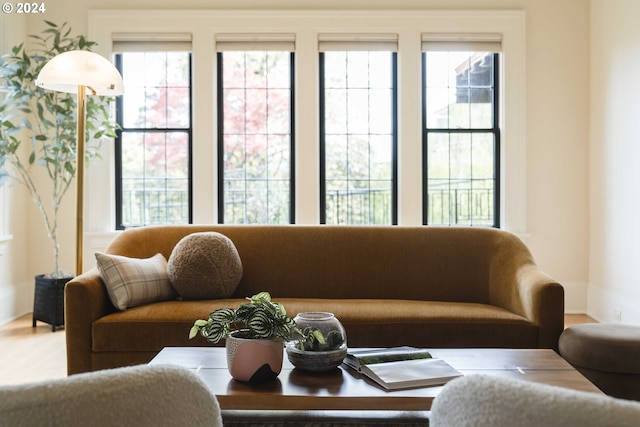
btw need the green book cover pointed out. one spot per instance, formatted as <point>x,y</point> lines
<point>357,358</point>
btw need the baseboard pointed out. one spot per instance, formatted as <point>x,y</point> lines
<point>610,306</point>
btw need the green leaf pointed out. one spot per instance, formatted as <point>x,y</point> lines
<point>223,315</point>
<point>194,331</point>
<point>280,309</point>
<point>215,332</point>
<point>261,296</point>
<point>244,311</point>
<point>260,324</point>
<point>16,49</point>
<point>317,334</point>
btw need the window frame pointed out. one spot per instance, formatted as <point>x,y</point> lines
<point>220,138</point>
<point>119,110</point>
<point>203,25</point>
<point>394,140</point>
<point>494,130</point>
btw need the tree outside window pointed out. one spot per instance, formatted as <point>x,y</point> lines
<point>154,147</point>
<point>255,137</point>
<point>358,137</point>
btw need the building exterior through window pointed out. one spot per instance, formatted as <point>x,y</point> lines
<point>461,141</point>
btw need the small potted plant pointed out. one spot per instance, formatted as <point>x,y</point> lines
<point>319,342</point>
<point>254,332</point>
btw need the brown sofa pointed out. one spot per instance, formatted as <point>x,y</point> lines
<point>420,286</point>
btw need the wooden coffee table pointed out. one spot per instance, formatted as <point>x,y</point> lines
<point>344,389</point>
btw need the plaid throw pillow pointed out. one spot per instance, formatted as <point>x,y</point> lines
<point>133,281</point>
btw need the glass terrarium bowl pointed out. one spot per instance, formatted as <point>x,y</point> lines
<point>321,344</point>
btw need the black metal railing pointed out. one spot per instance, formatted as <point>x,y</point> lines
<point>461,202</point>
<point>359,206</point>
<point>154,206</point>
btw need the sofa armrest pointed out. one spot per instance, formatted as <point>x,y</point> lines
<point>517,284</point>
<point>86,300</point>
<point>543,303</point>
<point>527,291</point>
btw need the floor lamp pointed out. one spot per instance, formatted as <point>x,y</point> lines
<point>84,73</point>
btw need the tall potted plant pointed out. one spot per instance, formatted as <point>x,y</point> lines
<point>38,127</point>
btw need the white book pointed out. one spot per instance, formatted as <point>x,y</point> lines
<point>401,367</point>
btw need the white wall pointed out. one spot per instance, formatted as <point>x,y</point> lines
<point>614,291</point>
<point>557,142</point>
<point>16,285</point>
<point>557,113</point>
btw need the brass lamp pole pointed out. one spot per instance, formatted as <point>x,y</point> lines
<point>81,72</point>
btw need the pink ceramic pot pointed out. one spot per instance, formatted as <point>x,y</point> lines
<point>252,360</point>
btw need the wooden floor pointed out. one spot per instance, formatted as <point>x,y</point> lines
<point>30,354</point>
<point>576,319</point>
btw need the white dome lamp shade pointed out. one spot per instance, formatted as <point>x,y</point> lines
<point>84,73</point>
<point>67,71</point>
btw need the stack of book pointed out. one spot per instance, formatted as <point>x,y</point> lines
<point>401,367</point>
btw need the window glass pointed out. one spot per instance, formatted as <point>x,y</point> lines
<point>153,176</point>
<point>256,137</point>
<point>461,142</point>
<point>358,137</point>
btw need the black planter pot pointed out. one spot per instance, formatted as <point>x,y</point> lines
<point>48,301</point>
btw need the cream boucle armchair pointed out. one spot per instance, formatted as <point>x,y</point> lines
<point>141,396</point>
<point>482,400</point>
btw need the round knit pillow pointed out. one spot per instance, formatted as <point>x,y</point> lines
<point>204,265</point>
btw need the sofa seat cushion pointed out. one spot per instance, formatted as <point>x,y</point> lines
<point>369,323</point>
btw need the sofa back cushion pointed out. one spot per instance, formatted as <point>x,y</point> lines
<point>319,261</point>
